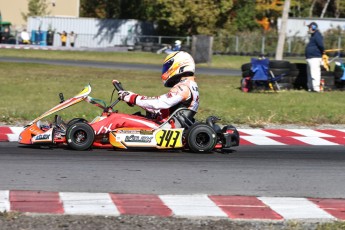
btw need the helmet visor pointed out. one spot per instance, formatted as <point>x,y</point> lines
<point>167,65</point>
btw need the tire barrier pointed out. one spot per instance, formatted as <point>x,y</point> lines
<point>295,75</point>
<point>338,74</point>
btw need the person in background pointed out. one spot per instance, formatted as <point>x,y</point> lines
<point>176,47</point>
<point>24,35</point>
<point>63,38</point>
<point>72,37</point>
<point>5,35</point>
<point>313,53</point>
<point>168,50</point>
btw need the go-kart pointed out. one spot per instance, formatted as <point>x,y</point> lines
<point>179,131</point>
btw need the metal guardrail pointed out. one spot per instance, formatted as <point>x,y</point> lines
<point>233,45</point>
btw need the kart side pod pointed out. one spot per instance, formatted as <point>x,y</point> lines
<point>129,138</point>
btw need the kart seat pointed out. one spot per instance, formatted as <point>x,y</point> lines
<point>182,118</point>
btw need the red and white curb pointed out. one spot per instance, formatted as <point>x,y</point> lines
<point>200,205</point>
<point>292,136</point>
<point>250,136</point>
<point>10,133</point>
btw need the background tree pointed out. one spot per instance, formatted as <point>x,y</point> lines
<point>100,9</point>
<point>339,8</point>
<point>36,8</point>
<point>216,17</point>
<point>243,16</point>
<point>191,17</point>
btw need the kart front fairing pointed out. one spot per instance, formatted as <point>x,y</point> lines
<point>36,133</point>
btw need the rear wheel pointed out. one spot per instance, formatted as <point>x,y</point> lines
<point>201,138</point>
<point>80,136</point>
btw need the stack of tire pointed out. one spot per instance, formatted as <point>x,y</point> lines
<point>329,79</point>
<point>299,70</point>
<point>294,75</point>
<point>338,74</point>
<point>301,81</point>
<point>281,69</point>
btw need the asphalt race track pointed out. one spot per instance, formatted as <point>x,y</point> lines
<point>276,175</point>
<point>290,171</point>
<point>113,65</point>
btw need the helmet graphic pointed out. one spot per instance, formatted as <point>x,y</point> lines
<point>175,66</point>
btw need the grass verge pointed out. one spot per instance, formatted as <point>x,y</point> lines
<point>218,61</point>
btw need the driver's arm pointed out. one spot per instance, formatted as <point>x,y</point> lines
<point>176,95</point>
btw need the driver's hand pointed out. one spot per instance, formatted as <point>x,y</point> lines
<point>128,96</point>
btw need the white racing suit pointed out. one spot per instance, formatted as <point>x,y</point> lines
<point>184,94</point>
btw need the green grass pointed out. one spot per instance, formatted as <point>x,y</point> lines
<point>218,61</point>
<point>28,90</point>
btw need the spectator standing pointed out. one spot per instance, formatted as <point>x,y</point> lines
<point>313,53</point>
<point>72,37</point>
<point>25,37</point>
<point>63,38</point>
<point>5,36</point>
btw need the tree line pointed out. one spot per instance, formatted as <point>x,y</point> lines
<point>210,17</point>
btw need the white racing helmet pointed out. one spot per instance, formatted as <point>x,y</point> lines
<point>178,42</point>
<point>175,66</point>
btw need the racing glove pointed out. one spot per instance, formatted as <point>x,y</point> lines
<point>128,97</point>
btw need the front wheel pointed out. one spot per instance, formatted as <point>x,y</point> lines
<point>201,138</point>
<point>80,136</point>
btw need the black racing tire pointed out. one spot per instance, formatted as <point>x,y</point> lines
<point>247,73</point>
<point>329,80</point>
<point>293,66</point>
<point>302,67</point>
<point>246,66</point>
<point>80,136</point>
<point>75,120</point>
<point>338,69</point>
<point>287,79</point>
<point>201,138</point>
<point>278,64</point>
<point>327,74</point>
<point>338,75</point>
<point>280,71</point>
<point>301,79</point>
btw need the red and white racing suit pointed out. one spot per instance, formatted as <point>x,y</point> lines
<point>184,94</point>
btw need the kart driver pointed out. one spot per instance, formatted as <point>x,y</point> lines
<point>177,73</point>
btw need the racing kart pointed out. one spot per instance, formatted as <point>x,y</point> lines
<point>179,131</point>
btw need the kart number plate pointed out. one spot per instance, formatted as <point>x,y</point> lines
<point>169,138</point>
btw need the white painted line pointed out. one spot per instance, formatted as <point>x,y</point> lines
<point>12,137</point>
<point>258,132</point>
<point>88,204</point>
<point>192,205</point>
<point>295,208</point>
<point>258,140</point>
<point>4,201</point>
<point>315,141</point>
<point>309,133</point>
<point>17,130</point>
